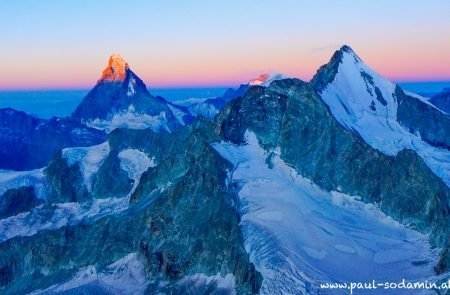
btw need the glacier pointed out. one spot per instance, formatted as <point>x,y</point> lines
<point>299,235</point>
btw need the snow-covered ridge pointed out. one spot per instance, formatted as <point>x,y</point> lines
<point>131,120</point>
<point>125,276</point>
<point>177,113</point>
<point>365,103</point>
<point>191,101</point>
<point>422,99</point>
<point>10,179</point>
<point>298,235</point>
<point>42,218</point>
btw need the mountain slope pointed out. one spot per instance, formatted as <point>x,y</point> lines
<point>442,100</point>
<point>28,143</point>
<point>177,220</point>
<point>290,185</point>
<point>121,99</point>
<point>381,113</point>
<point>292,122</point>
<point>210,107</point>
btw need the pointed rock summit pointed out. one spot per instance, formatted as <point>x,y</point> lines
<point>385,116</point>
<point>116,71</point>
<point>326,73</point>
<point>120,99</point>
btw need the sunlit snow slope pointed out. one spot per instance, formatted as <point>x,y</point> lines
<point>366,103</point>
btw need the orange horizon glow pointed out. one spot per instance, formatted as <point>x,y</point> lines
<point>55,45</point>
<point>195,77</point>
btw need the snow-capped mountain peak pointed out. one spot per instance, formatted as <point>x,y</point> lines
<point>266,79</point>
<point>116,71</point>
<point>380,112</point>
<point>259,80</point>
<point>357,91</point>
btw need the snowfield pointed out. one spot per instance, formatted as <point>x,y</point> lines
<point>299,235</point>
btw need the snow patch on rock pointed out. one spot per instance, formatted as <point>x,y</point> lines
<point>135,162</point>
<point>88,158</point>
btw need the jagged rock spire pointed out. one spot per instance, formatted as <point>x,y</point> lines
<point>116,71</point>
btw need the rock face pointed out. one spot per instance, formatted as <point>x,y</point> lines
<point>181,218</point>
<point>17,200</point>
<point>421,118</point>
<point>121,99</point>
<point>28,143</point>
<point>442,100</point>
<point>392,121</point>
<point>290,116</point>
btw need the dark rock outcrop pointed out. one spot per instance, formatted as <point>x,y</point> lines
<point>18,200</point>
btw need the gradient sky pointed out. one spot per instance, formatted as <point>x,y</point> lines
<point>66,44</point>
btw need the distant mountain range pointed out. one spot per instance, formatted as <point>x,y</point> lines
<point>442,100</point>
<point>275,187</point>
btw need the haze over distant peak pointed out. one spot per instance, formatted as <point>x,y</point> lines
<point>266,79</point>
